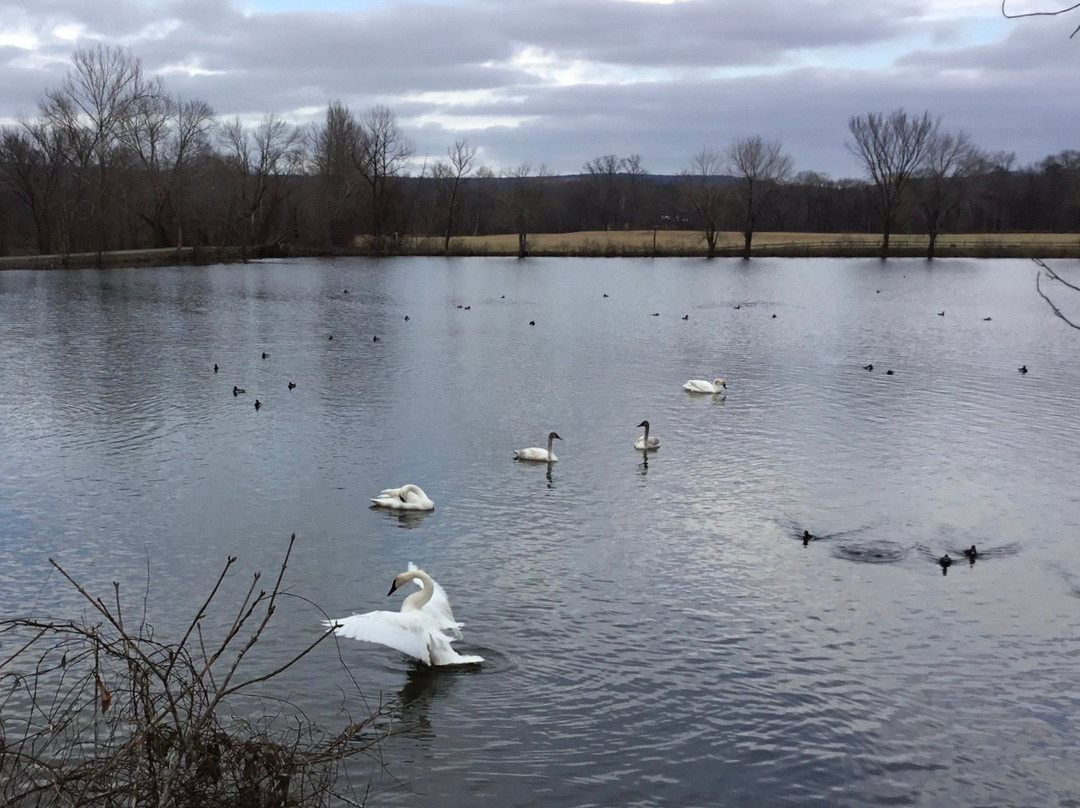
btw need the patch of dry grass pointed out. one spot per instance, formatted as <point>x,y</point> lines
<point>687,242</point>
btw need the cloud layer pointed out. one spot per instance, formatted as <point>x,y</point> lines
<point>560,82</point>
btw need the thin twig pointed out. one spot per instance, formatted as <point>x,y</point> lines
<point>1044,296</point>
<point>1065,10</point>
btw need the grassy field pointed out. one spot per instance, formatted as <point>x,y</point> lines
<point>690,243</point>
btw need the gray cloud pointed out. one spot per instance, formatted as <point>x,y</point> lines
<point>584,77</point>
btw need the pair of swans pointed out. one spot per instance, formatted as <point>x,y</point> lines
<point>424,628</point>
<point>407,498</point>
<point>537,454</point>
<point>715,387</point>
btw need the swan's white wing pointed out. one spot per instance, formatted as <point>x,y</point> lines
<point>699,386</point>
<point>438,608</point>
<point>403,631</point>
<point>388,501</point>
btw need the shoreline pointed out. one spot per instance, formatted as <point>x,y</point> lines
<point>600,244</point>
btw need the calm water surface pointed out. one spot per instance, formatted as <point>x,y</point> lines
<point>656,633</point>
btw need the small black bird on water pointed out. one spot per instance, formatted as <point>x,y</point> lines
<point>945,561</point>
<point>686,316</point>
<point>375,338</point>
<point>1023,368</point>
<point>406,318</point>
<point>215,368</point>
<point>265,354</point>
<point>237,390</point>
<point>867,367</point>
<point>971,553</point>
<point>532,322</point>
<point>292,385</point>
<point>257,404</point>
<point>941,314</point>
<point>807,537</point>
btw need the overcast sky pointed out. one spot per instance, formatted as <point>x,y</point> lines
<point>559,82</point>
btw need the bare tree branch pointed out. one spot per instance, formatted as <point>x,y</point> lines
<point>1044,296</point>
<point>1065,10</point>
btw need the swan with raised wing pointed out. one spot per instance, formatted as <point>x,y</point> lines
<point>423,629</point>
<point>715,387</point>
<point>647,442</point>
<point>407,498</point>
<point>538,454</point>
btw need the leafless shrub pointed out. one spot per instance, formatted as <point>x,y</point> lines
<point>1054,276</point>
<point>104,714</point>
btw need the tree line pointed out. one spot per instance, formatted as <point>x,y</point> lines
<point>111,161</point>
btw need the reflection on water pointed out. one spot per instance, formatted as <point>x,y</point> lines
<point>653,634</point>
<point>871,552</point>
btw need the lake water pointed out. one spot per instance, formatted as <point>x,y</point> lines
<point>655,633</point>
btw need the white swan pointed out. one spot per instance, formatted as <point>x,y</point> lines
<point>423,629</point>
<point>407,498</point>
<point>536,453</point>
<point>645,443</point>
<point>716,386</point>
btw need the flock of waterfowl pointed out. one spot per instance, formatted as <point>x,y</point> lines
<point>425,627</point>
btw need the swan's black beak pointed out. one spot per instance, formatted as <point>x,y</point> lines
<point>393,588</point>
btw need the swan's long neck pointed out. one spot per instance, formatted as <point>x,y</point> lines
<point>418,600</point>
<point>551,441</point>
<point>646,441</point>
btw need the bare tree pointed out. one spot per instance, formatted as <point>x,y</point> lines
<point>381,157</point>
<point>98,95</point>
<point>602,178</point>
<point>632,182</point>
<point>524,193</point>
<point>448,178</point>
<point>949,159</point>
<point>891,149</point>
<point>32,164</point>
<point>702,194</point>
<point>333,148</point>
<point>259,162</point>
<point>166,134</point>
<point>760,166</point>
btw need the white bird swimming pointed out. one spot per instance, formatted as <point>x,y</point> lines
<point>407,498</point>
<point>536,453</point>
<point>646,443</point>
<point>716,386</point>
<point>423,629</point>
